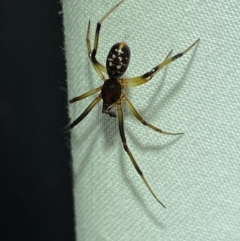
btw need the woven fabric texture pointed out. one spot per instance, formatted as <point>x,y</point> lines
<point>196,175</point>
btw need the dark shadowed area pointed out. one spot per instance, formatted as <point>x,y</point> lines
<point>36,201</point>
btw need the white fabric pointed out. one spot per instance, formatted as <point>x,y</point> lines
<point>197,176</point>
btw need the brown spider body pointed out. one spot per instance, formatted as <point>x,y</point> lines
<point>111,91</point>
<point>117,63</point>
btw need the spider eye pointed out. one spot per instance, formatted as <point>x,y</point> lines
<point>118,60</point>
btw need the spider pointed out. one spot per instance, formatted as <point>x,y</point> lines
<point>111,91</point>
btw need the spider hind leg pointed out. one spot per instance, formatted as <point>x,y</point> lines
<point>124,141</point>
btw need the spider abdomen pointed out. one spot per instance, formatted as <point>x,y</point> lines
<point>117,60</point>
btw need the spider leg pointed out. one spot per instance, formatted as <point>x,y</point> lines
<point>85,112</point>
<point>125,83</point>
<point>92,53</point>
<point>168,55</point>
<point>97,66</point>
<point>91,92</point>
<point>135,81</point>
<point>124,141</point>
<point>136,114</point>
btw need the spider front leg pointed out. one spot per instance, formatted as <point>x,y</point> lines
<point>99,68</point>
<point>136,114</point>
<point>135,81</point>
<point>124,141</point>
<point>91,92</point>
<point>89,108</point>
<point>92,53</point>
<point>85,112</point>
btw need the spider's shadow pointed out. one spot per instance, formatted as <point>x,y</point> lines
<point>129,181</point>
<point>158,106</point>
<point>111,132</point>
<point>177,87</point>
<point>92,129</point>
<point>165,100</point>
<point>88,132</point>
<point>109,128</point>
